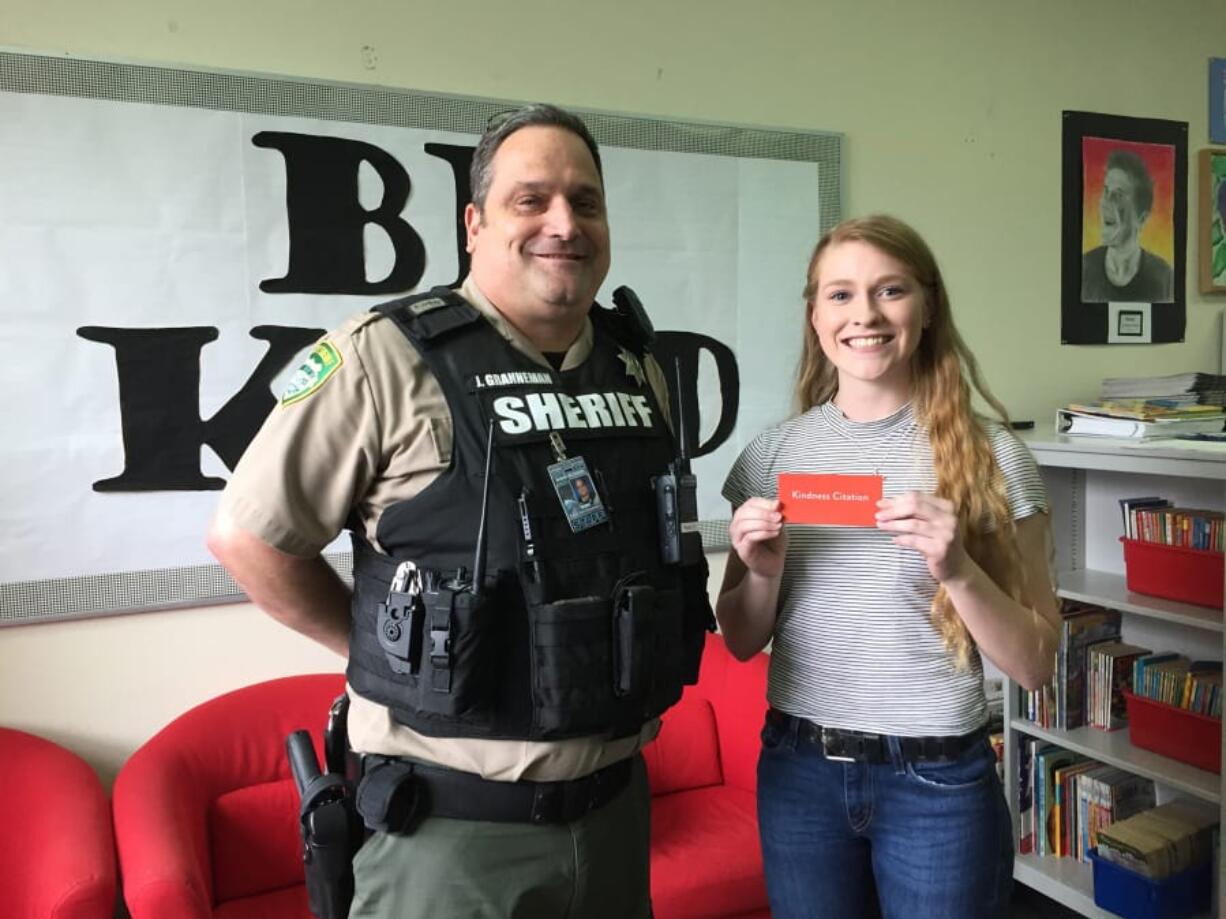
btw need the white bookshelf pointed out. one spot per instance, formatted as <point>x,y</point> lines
<point>1085,479</point>
<point>1065,880</point>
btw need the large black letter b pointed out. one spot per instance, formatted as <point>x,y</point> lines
<point>326,218</point>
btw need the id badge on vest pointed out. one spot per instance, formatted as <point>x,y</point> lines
<point>576,489</point>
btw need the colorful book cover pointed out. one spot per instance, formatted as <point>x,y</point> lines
<point>1050,759</point>
<point>1114,674</point>
<point>1062,809</point>
<point>1081,629</point>
<point>1025,795</point>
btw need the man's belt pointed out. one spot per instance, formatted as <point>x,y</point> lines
<point>858,746</point>
<point>396,793</point>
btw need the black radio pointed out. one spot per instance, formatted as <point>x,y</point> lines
<point>677,499</point>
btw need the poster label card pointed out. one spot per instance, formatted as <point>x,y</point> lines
<point>830,499</point>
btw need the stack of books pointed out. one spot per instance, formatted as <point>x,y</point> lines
<point>1082,627</point>
<point>1176,680</point>
<point>1102,796</point>
<point>1163,840</point>
<point>1065,800</point>
<point>1110,666</point>
<point>1145,420</point>
<point>1062,702</point>
<point>1153,520</point>
<point>1176,389</point>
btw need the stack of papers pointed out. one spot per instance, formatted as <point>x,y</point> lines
<point>1178,388</point>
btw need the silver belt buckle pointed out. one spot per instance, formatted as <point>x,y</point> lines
<point>826,742</point>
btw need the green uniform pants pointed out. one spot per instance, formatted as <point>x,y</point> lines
<point>593,868</point>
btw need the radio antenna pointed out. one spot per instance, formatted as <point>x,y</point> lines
<point>479,552</point>
<point>683,450</point>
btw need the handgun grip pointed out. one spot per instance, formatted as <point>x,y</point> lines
<point>303,762</point>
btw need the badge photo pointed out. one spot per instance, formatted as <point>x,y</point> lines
<point>577,494</point>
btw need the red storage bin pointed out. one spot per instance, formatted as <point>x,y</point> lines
<point>1189,575</point>
<point>1175,732</point>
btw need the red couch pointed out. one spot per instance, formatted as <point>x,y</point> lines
<point>206,812</point>
<point>57,855</point>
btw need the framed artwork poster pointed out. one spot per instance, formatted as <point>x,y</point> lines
<point>1124,229</point>
<point>1212,224</point>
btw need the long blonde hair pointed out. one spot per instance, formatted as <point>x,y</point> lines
<point>941,396</point>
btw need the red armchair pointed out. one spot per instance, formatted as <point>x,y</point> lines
<point>57,856</point>
<point>206,813</point>
<point>706,860</point>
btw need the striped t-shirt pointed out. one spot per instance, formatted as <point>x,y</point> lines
<point>854,643</point>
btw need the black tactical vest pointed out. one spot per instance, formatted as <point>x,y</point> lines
<point>570,633</point>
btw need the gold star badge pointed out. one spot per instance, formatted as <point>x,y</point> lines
<point>633,367</point>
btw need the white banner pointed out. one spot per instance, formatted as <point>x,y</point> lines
<point>130,232</point>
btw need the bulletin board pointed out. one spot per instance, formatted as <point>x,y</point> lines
<point>175,240</point>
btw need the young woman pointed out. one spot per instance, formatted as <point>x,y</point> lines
<point>876,772</point>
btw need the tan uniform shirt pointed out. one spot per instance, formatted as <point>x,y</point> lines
<point>377,431</point>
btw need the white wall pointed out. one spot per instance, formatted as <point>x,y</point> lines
<point>952,116</point>
<point>102,687</point>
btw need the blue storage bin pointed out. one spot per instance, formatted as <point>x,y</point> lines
<point>1133,896</point>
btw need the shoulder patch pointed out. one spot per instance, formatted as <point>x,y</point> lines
<point>323,361</point>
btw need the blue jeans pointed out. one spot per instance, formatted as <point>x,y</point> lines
<point>924,840</point>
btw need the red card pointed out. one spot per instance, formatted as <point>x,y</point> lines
<point>832,500</point>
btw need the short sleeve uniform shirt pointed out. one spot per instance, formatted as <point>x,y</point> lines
<point>375,431</point>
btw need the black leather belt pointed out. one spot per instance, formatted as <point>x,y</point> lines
<point>859,747</point>
<point>396,793</point>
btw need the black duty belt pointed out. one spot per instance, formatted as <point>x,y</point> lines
<point>396,793</point>
<point>860,747</point>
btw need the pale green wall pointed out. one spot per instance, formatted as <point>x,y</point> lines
<point>951,109</point>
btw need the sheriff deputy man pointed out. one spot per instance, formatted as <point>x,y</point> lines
<point>501,688</point>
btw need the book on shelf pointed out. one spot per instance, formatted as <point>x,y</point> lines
<point>1104,795</point>
<point>1064,810</point>
<point>1148,672</point>
<point>1061,702</point>
<point>1085,804</point>
<point>1202,689</point>
<point>1047,761</point>
<point>1183,527</point>
<point>1030,747</point>
<point>1175,680</point>
<point>1080,627</point>
<point>1040,704</point>
<point>1111,671</point>
<point>1065,799</point>
<point>1070,421</point>
<point>1130,506</point>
